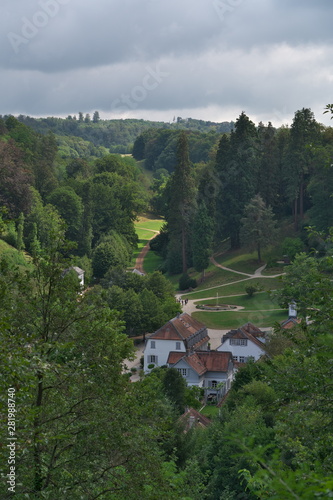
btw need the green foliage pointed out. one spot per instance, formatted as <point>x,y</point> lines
<point>258,225</point>
<point>253,288</point>
<point>202,238</point>
<point>292,246</point>
<point>181,208</point>
<point>186,282</point>
<point>112,251</point>
<point>174,387</point>
<point>145,302</point>
<point>300,283</point>
<point>70,207</point>
<point>236,169</point>
<point>20,229</point>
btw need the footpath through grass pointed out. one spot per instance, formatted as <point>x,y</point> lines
<point>146,228</point>
<point>234,288</point>
<point>242,262</point>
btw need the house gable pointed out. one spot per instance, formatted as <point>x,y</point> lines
<point>244,343</point>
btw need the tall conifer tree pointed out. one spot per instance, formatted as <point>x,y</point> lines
<point>180,212</point>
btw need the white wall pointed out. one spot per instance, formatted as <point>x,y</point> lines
<point>162,350</point>
<point>249,350</point>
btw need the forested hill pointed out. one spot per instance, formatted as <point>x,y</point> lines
<point>116,135</point>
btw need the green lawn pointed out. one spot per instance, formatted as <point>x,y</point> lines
<point>152,262</point>
<point>235,288</point>
<point>146,223</point>
<point>243,262</point>
<point>216,276</point>
<point>146,228</point>
<point>258,301</point>
<point>227,320</point>
<point>17,258</point>
<point>143,234</point>
<point>210,411</point>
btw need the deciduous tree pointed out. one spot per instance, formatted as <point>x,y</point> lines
<point>258,225</point>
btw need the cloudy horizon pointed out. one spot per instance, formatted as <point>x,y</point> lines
<point>204,59</point>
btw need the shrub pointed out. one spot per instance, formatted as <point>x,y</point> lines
<point>292,246</point>
<point>186,282</point>
<point>252,289</point>
<point>113,251</point>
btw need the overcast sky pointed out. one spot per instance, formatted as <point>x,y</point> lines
<point>156,59</point>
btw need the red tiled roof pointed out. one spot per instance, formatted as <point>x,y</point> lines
<point>194,362</point>
<point>215,361</point>
<point>290,323</point>
<point>174,357</point>
<point>252,330</point>
<point>204,361</point>
<point>186,325</point>
<point>178,328</point>
<point>198,419</point>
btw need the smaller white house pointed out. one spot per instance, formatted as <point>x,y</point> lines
<point>211,370</point>
<point>245,343</point>
<point>182,334</point>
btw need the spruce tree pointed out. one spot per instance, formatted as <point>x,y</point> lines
<point>237,166</point>
<point>20,228</point>
<point>180,212</point>
<point>202,237</point>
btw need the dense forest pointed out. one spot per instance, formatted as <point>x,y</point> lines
<point>253,180</point>
<point>82,430</point>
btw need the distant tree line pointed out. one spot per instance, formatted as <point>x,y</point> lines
<point>116,134</point>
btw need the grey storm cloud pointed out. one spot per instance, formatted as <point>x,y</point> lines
<point>207,58</point>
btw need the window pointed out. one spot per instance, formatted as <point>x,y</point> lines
<point>152,359</point>
<point>178,346</point>
<point>213,384</point>
<point>235,358</point>
<point>152,344</point>
<point>241,342</point>
<point>182,371</point>
<point>242,359</point>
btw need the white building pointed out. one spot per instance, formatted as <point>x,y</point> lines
<point>211,370</point>
<point>247,342</point>
<point>182,334</point>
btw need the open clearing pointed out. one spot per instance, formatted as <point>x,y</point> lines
<point>146,228</point>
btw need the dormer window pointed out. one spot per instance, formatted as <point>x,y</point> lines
<point>242,342</point>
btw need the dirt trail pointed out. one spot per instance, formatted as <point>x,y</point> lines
<point>141,257</point>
